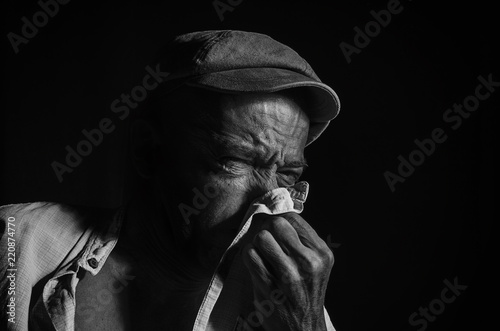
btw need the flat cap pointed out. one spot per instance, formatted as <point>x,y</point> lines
<point>247,62</point>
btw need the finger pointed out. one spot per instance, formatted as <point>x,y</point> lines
<point>306,258</point>
<point>270,250</point>
<point>307,235</point>
<point>285,235</point>
<point>261,276</point>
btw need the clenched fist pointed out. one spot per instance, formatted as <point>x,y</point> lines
<point>289,265</point>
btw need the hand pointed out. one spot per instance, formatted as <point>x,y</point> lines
<point>290,266</point>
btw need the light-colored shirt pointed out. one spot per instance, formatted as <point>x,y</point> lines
<point>44,245</point>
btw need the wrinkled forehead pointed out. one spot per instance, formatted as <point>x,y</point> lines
<point>259,113</point>
<point>270,126</point>
<point>192,110</point>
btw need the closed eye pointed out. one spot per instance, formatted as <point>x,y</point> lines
<point>232,159</point>
<point>233,165</point>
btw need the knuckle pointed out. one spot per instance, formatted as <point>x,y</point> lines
<point>291,277</point>
<point>330,257</point>
<point>261,237</point>
<point>317,265</point>
<point>313,265</point>
<point>277,223</point>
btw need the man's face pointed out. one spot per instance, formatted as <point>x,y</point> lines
<point>252,144</point>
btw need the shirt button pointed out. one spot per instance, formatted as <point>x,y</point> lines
<point>93,263</point>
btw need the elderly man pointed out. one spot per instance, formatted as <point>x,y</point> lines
<point>211,238</point>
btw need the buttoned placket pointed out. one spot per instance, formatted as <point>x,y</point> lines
<point>60,291</point>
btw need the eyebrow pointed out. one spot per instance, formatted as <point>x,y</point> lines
<point>230,146</point>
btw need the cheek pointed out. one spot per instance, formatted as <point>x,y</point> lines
<point>224,208</point>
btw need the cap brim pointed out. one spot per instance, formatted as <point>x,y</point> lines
<point>323,103</point>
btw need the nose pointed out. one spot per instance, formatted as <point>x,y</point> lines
<point>263,181</point>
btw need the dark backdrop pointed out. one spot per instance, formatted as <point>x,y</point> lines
<point>393,249</point>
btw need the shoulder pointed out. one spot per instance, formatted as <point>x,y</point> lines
<point>30,221</point>
<point>29,214</point>
<point>38,226</point>
<point>50,218</point>
<point>45,232</point>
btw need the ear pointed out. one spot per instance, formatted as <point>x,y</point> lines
<point>144,148</point>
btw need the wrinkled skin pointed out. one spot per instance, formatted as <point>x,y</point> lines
<point>255,143</point>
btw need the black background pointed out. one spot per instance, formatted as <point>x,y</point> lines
<point>396,248</point>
